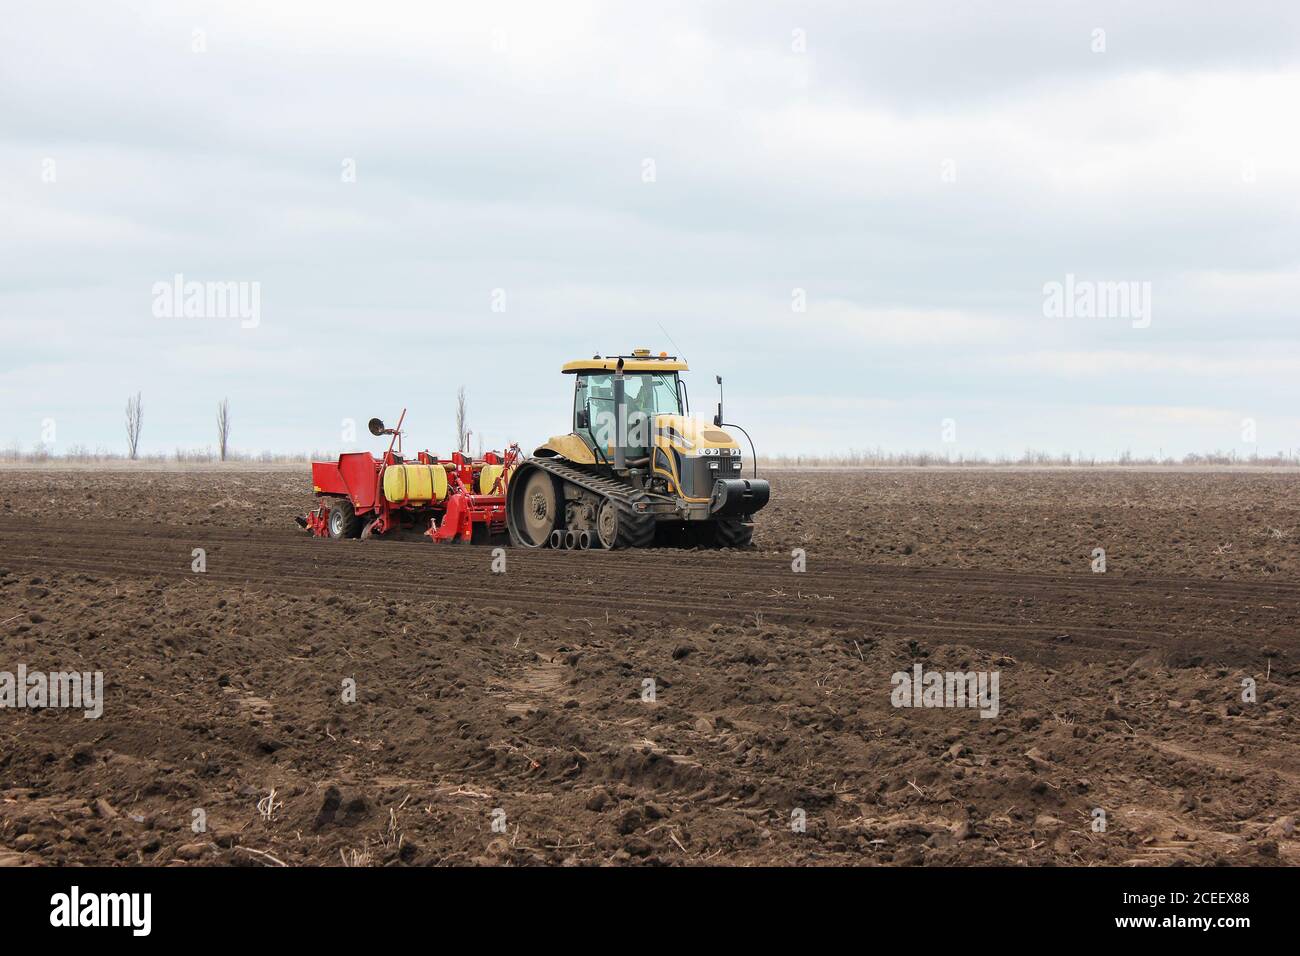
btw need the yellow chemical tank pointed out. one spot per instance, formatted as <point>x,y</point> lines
<point>415,483</point>
<point>487,477</point>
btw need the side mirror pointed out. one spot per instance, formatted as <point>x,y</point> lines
<point>717,419</point>
<point>376,426</point>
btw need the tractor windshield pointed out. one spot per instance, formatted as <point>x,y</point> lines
<point>649,393</point>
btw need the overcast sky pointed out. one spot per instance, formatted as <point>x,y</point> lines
<point>849,210</point>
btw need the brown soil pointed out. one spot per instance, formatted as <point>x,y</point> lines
<point>518,698</point>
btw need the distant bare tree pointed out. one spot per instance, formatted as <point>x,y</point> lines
<point>223,426</point>
<point>462,436</point>
<point>134,417</point>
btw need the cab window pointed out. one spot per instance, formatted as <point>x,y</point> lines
<point>650,393</point>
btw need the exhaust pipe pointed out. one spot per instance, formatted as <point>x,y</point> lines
<point>620,419</point>
<point>584,540</point>
<point>557,539</point>
<point>570,540</point>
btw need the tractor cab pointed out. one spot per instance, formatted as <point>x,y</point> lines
<point>655,443</point>
<point>650,388</point>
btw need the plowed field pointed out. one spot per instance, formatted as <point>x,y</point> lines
<point>397,702</point>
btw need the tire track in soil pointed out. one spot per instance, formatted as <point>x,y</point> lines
<point>1028,614</point>
<point>265,567</point>
<point>462,557</point>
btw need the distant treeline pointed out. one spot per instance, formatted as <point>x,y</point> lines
<point>80,453</point>
<point>881,459</point>
<point>852,459</point>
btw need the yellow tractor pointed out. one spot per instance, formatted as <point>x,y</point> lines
<point>636,470</point>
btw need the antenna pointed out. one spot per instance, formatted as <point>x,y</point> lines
<point>671,342</point>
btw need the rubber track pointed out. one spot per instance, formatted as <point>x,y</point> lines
<point>638,528</point>
<point>733,535</point>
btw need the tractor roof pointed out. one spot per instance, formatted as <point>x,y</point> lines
<point>639,361</point>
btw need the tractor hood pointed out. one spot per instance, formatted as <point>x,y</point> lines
<point>689,435</point>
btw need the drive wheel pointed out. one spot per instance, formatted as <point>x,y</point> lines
<point>344,522</point>
<point>533,510</point>
<point>730,533</point>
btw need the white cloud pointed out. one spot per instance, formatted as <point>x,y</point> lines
<point>1100,364</point>
<point>500,146</point>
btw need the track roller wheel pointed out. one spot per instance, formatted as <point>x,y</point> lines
<point>607,524</point>
<point>344,522</point>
